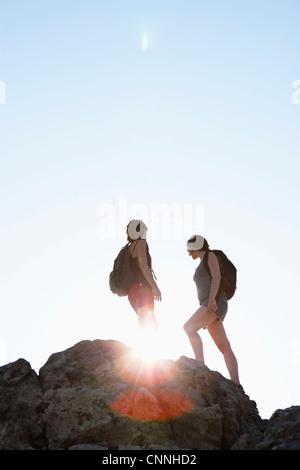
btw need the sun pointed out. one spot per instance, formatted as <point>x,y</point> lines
<point>143,364</point>
<point>151,395</point>
<point>148,345</point>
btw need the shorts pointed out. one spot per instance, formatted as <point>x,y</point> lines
<point>141,296</point>
<point>222,306</point>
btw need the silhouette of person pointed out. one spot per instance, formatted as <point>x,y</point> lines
<point>213,307</point>
<point>144,290</point>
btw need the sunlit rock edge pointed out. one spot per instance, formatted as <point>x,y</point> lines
<point>100,395</point>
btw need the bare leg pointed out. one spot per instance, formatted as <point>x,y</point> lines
<point>147,318</point>
<point>197,344</point>
<point>218,334</point>
<point>201,318</point>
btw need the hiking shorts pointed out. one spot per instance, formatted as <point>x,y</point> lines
<point>222,306</point>
<point>141,296</point>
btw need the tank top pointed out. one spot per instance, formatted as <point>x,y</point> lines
<point>139,277</point>
<point>203,282</point>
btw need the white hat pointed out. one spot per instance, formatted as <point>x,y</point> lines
<point>137,229</point>
<point>195,243</point>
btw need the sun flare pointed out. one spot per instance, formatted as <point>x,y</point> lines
<point>151,396</point>
<point>145,42</point>
<point>148,346</point>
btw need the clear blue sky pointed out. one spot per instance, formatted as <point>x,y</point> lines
<point>202,117</point>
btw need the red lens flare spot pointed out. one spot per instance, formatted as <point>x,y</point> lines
<point>152,405</point>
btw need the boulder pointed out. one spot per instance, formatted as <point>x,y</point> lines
<point>101,395</point>
<point>21,407</point>
<point>282,431</point>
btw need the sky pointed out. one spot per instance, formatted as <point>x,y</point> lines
<point>182,113</point>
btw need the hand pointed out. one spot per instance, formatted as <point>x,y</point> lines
<point>156,293</point>
<point>212,305</point>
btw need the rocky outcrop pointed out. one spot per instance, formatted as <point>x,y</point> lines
<point>101,395</point>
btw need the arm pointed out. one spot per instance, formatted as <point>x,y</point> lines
<point>214,267</point>
<point>142,259</point>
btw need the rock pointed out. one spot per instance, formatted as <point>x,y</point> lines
<point>87,447</point>
<point>282,431</point>
<point>99,395</point>
<point>21,407</point>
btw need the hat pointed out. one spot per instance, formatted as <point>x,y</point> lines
<point>196,242</point>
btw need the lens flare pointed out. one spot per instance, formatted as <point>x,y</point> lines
<point>152,405</point>
<point>145,43</point>
<point>147,345</point>
<point>151,395</point>
<point>143,364</point>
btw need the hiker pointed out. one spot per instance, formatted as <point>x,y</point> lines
<point>213,306</point>
<point>144,289</point>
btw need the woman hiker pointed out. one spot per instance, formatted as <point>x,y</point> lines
<point>144,289</point>
<point>213,307</point>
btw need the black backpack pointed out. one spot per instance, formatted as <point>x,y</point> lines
<point>228,273</point>
<point>122,276</point>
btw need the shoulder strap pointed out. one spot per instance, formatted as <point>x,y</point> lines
<point>205,261</point>
<point>131,243</point>
<point>148,257</point>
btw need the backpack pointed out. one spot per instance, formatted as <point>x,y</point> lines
<point>228,273</point>
<point>122,276</point>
